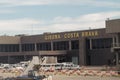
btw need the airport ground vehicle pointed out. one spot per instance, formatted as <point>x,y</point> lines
<point>58,66</point>
<point>70,66</point>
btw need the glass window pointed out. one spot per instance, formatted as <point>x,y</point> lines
<point>28,47</point>
<point>9,47</point>
<point>62,45</point>
<point>88,43</point>
<point>101,43</point>
<point>44,46</point>
<point>75,44</point>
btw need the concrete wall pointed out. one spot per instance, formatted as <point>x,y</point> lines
<point>113,26</point>
<point>9,40</point>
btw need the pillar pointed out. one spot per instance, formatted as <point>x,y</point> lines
<point>114,41</point>
<point>70,45</point>
<point>117,58</point>
<point>35,47</point>
<point>82,51</point>
<point>90,44</point>
<point>20,47</point>
<point>51,46</point>
<point>117,40</point>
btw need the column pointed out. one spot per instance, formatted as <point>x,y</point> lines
<point>35,47</point>
<point>117,59</point>
<point>117,40</point>
<point>20,47</point>
<point>70,45</point>
<point>113,44</point>
<point>90,44</point>
<point>51,45</point>
<point>82,51</point>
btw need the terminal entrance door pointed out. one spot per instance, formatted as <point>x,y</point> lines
<point>75,60</point>
<point>61,59</point>
<point>88,61</point>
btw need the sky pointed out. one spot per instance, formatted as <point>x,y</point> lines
<point>40,16</point>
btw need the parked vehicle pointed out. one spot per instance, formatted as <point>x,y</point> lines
<point>59,66</point>
<point>70,66</point>
<point>47,67</point>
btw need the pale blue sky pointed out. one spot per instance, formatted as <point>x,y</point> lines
<point>39,16</point>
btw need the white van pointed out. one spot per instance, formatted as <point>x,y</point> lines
<point>70,66</point>
<point>75,67</point>
<point>58,66</point>
<point>6,66</point>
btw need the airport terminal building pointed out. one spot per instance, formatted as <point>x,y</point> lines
<point>87,47</point>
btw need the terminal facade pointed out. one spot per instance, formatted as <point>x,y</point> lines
<point>87,47</point>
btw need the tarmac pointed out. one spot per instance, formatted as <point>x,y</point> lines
<point>64,77</point>
<point>71,77</point>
